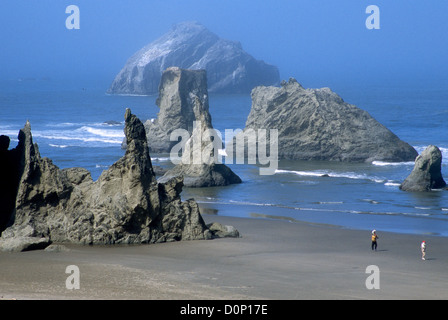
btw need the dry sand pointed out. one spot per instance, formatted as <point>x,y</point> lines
<point>276,260</point>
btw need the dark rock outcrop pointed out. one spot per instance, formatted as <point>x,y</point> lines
<point>223,231</point>
<point>427,172</point>
<point>316,124</point>
<point>190,45</point>
<point>183,103</point>
<point>125,205</point>
<point>11,168</point>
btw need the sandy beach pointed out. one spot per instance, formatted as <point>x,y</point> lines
<point>272,259</point>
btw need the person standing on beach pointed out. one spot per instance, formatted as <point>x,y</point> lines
<point>423,248</point>
<point>374,238</point>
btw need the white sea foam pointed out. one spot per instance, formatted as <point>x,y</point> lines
<point>101,166</point>
<point>248,203</point>
<point>62,146</point>
<point>384,163</point>
<point>390,183</point>
<point>331,202</point>
<point>443,150</point>
<point>222,152</point>
<point>9,133</point>
<point>321,209</point>
<point>303,173</point>
<point>109,133</point>
<point>325,173</point>
<point>370,201</point>
<point>419,149</point>
<point>160,159</point>
<point>415,214</point>
<point>70,136</point>
<point>81,124</point>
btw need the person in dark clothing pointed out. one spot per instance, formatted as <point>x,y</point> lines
<point>374,238</point>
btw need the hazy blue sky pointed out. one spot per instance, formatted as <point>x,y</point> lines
<point>319,42</point>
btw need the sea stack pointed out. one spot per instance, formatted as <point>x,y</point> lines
<point>180,92</point>
<point>189,45</point>
<point>427,172</point>
<point>316,124</point>
<point>183,101</point>
<point>126,205</point>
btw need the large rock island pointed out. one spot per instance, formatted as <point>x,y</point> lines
<point>316,124</point>
<point>190,45</point>
<point>125,205</point>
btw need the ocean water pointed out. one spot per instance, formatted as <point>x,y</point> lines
<point>77,125</point>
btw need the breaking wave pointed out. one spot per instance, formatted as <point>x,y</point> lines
<point>69,135</point>
<point>320,207</point>
<point>419,149</point>
<point>384,163</point>
<point>61,146</point>
<point>326,173</point>
<point>343,175</point>
<point>443,149</point>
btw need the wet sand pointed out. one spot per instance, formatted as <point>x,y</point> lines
<point>272,259</point>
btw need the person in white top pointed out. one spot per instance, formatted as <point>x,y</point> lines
<point>423,247</point>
